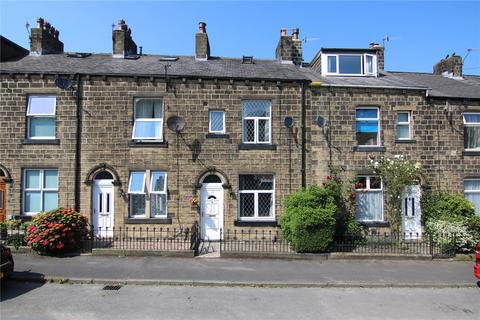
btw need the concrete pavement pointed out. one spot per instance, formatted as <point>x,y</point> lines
<point>53,301</point>
<point>247,272</point>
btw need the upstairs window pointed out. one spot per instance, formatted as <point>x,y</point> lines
<point>369,200</point>
<point>256,197</point>
<point>41,117</point>
<point>216,121</point>
<point>148,125</point>
<point>471,125</point>
<point>350,64</point>
<point>404,125</point>
<point>256,121</point>
<point>368,126</point>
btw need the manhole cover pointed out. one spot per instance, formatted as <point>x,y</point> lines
<point>112,287</point>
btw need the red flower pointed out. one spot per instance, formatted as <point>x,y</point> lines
<point>45,242</point>
<point>329,178</point>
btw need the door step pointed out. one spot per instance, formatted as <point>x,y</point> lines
<point>209,249</point>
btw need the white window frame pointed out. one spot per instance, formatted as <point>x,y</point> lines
<point>363,71</point>
<point>142,192</point>
<point>130,183</point>
<point>474,191</point>
<point>369,189</point>
<point>210,122</point>
<point>471,124</point>
<point>379,126</point>
<point>256,120</point>
<point>40,189</point>
<point>30,115</point>
<point>409,123</point>
<point>256,193</point>
<point>164,192</point>
<point>159,120</point>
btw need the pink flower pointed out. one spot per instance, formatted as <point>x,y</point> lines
<point>45,242</point>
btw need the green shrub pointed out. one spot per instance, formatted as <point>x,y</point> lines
<point>442,204</point>
<point>308,221</point>
<point>57,231</point>
<point>444,232</point>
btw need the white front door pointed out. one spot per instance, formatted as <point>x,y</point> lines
<point>103,208</point>
<point>412,212</point>
<point>211,211</point>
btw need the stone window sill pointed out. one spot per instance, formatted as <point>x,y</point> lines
<point>406,141</point>
<point>369,149</point>
<point>247,146</point>
<point>241,223</point>
<point>471,153</point>
<point>217,136</point>
<point>149,221</point>
<point>41,141</point>
<point>147,144</point>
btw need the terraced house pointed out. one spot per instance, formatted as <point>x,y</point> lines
<point>129,138</point>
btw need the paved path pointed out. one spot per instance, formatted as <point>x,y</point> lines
<point>54,301</point>
<point>250,271</point>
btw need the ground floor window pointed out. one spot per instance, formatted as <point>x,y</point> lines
<point>369,198</point>
<point>40,190</point>
<point>256,200</point>
<point>147,194</point>
<point>472,193</point>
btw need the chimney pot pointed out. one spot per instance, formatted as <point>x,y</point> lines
<point>57,33</point>
<point>202,27</point>
<point>47,26</point>
<point>295,33</point>
<point>52,31</point>
<point>40,23</point>
<point>283,32</point>
<point>123,44</point>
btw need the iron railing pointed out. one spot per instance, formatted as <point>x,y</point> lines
<point>254,241</point>
<point>397,243</point>
<point>144,238</point>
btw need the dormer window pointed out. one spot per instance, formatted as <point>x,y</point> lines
<point>349,64</point>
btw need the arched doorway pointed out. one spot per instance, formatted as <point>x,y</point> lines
<point>211,207</point>
<point>103,204</point>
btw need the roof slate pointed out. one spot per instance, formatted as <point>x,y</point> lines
<point>105,64</point>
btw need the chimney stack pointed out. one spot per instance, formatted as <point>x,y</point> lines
<point>380,55</point>
<point>202,45</point>
<point>289,48</point>
<point>123,44</point>
<point>44,39</point>
<point>450,66</point>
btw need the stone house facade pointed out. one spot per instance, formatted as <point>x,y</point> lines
<point>149,140</point>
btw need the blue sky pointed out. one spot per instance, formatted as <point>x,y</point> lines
<point>421,32</point>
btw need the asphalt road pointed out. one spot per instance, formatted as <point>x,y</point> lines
<point>255,271</point>
<point>66,301</point>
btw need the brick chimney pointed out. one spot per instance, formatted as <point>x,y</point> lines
<point>289,48</point>
<point>202,45</point>
<point>123,44</point>
<point>380,55</point>
<point>450,66</point>
<point>44,39</point>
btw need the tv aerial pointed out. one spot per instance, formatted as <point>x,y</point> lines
<point>176,124</point>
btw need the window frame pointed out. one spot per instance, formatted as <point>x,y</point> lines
<point>369,189</point>
<point>41,189</point>
<point>210,121</point>
<point>130,193</point>
<point>256,120</point>
<point>30,115</point>
<point>409,123</point>
<point>471,191</point>
<point>379,125</point>
<point>471,124</point>
<point>164,192</point>
<point>255,201</point>
<point>158,120</point>
<point>363,63</point>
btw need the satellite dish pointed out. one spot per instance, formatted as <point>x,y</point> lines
<point>288,122</point>
<point>176,124</point>
<point>320,121</point>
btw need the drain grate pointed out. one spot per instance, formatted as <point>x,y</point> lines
<point>114,287</point>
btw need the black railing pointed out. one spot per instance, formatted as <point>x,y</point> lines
<point>261,241</point>
<point>397,243</point>
<point>138,238</point>
<point>13,235</point>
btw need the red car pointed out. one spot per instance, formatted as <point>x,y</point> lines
<point>476,268</point>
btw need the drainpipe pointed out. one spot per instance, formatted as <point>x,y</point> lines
<point>78,145</point>
<point>303,133</point>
